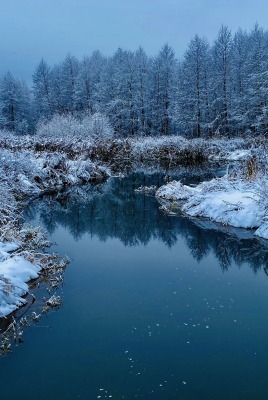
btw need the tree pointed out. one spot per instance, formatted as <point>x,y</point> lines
<point>88,83</point>
<point>163,68</point>
<point>15,105</point>
<point>70,69</point>
<point>119,92</point>
<point>192,100</point>
<point>57,90</point>
<point>221,80</point>
<point>42,89</point>
<point>239,73</point>
<point>256,93</point>
<point>142,90</point>
<point>83,87</point>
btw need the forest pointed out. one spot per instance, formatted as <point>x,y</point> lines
<point>218,88</point>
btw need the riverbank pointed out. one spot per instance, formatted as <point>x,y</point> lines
<point>237,199</point>
<point>230,201</point>
<point>119,153</point>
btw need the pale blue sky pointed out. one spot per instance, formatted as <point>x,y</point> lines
<point>32,29</point>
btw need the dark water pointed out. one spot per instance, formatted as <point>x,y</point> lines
<point>155,306</point>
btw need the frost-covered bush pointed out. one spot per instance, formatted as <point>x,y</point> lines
<point>17,172</point>
<point>68,126</point>
<point>172,149</point>
<point>59,126</point>
<point>149,145</point>
<point>98,126</point>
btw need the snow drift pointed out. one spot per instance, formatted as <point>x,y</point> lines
<point>236,202</point>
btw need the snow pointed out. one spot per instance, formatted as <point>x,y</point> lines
<point>234,202</point>
<point>238,155</point>
<point>7,247</point>
<point>226,154</point>
<point>262,231</point>
<point>175,191</point>
<point>14,273</point>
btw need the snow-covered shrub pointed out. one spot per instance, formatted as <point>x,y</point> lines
<point>19,169</point>
<point>68,126</point>
<point>59,126</point>
<point>171,149</point>
<point>98,126</point>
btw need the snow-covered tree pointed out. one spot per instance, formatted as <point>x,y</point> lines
<point>163,68</point>
<point>42,89</point>
<point>70,70</point>
<point>57,89</point>
<point>221,57</point>
<point>15,105</point>
<point>238,107</point>
<point>142,99</point>
<point>192,95</point>
<point>256,92</point>
<point>214,89</point>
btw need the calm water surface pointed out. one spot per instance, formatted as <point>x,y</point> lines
<point>154,306</point>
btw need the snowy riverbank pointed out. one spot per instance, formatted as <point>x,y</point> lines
<point>15,272</point>
<point>25,174</point>
<point>237,202</point>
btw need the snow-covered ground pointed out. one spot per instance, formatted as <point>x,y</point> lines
<point>21,260</point>
<point>14,273</point>
<point>237,202</point>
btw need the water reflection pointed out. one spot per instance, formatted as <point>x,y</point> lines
<point>114,210</point>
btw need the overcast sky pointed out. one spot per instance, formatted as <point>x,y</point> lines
<point>32,29</point>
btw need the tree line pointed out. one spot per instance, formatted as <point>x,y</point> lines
<point>218,88</point>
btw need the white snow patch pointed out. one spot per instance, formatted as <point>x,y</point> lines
<point>236,202</point>
<point>175,191</point>
<point>14,273</point>
<point>262,231</point>
<point>237,155</point>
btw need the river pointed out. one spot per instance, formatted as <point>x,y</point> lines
<point>154,306</point>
